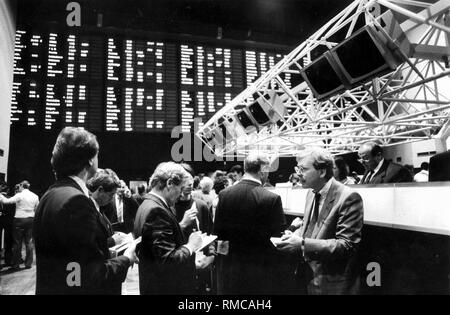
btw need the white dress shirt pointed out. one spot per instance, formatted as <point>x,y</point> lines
<point>26,203</point>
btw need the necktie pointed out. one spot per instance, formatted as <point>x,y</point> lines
<point>368,177</point>
<point>314,216</point>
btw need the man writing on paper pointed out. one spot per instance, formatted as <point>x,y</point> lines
<point>194,215</point>
<point>103,187</point>
<point>72,253</point>
<point>328,241</point>
<point>167,261</point>
<point>247,216</point>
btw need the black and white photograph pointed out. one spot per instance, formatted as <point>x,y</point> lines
<point>209,149</point>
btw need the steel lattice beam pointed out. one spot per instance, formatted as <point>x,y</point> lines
<point>411,103</point>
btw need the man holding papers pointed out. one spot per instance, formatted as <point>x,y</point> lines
<point>167,261</point>
<point>328,241</point>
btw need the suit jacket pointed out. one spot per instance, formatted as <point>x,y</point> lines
<point>247,216</point>
<point>130,207</point>
<point>68,229</point>
<point>330,254</point>
<point>165,265</point>
<point>389,173</point>
<point>440,167</point>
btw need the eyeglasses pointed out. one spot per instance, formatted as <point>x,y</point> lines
<point>299,170</point>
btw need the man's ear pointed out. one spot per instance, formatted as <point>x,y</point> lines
<point>169,182</point>
<point>323,173</point>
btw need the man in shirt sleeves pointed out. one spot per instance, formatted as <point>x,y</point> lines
<point>72,253</point>
<point>327,243</point>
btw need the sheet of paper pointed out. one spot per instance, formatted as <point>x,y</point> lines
<point>275,240</point>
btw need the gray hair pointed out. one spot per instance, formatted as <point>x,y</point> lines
<point>167,171</point>
<point>206,184</point>
<point>323,160</point>
<point>254,161</point>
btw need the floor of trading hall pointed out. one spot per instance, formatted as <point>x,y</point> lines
<point>23,281</point>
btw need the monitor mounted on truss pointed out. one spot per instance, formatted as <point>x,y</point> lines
<point>267,109</point>
<point>363,56</point>
<point>246,122</point>
<point>322,78</point>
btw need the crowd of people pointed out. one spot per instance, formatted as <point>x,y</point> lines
<point>89,210</point>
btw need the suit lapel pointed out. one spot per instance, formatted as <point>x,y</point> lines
<point>381,174</point>
<point>326,208</point>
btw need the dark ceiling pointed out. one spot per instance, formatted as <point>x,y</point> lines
<point>286,22</point>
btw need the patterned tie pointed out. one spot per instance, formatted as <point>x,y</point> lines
<point>314,216</point>
<point>368,177</point>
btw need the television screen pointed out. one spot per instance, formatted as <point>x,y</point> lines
<point>322,78</point>
<point>360,57</point>
<point>245,121</point>
<point>258,113</point>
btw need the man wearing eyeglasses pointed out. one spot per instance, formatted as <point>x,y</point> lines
<point>378,170</point>
<point>327,242</point>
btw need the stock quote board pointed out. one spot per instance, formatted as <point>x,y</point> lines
<point>126,82</point>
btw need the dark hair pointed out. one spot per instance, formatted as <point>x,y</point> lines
<point>141,189</point>
<point>424,166</point>
<point>237,169</point>
<point>220,184</point>
<point>109,181</point>
<point>341,167</point>
<point>196,182</point>
<point>73,149</point>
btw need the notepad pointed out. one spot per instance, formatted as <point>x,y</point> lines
<point>206,240</point>
<point>125,244</point>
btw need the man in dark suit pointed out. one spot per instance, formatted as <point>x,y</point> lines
<point>103,187</point>
<point>166,260</point>
<point>122,209</point>
<point>328,241</point>
<point>71,241</point>
<point>247,216</point>
<point>378,170</point>
<point>440,167</point>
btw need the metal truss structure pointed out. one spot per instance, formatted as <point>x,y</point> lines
<point>411,103</point>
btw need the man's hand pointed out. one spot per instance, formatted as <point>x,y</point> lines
<point>290,244</point>
<point>195,241</point>
<point>119,237</point>
<point>189,217</point>
<point>130,253</point>
<point>210,250</point>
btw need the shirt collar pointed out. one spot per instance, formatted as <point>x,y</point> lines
<point>82,184</point>
<point>250,178</point>
<point>160,198</point>
<point>378,167</point>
